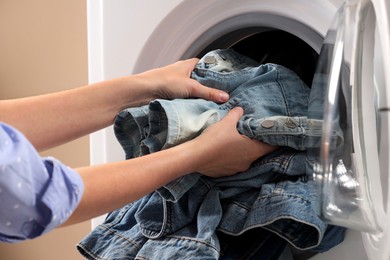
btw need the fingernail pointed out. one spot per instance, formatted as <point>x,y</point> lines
<point>223,96</point>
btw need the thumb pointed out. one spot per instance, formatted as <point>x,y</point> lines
<point>211,94</point>
<point>234,115</point>
<point>202,91</point>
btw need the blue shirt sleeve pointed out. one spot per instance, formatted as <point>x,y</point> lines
<point>36,194</point>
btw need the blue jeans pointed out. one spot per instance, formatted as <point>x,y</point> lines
<point>273,195</point>
<point>181,219</point>
<point>274,99</point>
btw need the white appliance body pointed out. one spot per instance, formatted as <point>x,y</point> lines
<point>127,37</point>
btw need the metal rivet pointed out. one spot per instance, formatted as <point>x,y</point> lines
<point>209,59</point>
<point>267,123</point>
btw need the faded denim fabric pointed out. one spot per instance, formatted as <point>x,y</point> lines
<point>181,220</point>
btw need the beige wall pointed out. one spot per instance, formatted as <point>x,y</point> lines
<point>43,48</point>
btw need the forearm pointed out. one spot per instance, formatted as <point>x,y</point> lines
<point>132,180</point>
<point>52,119</point>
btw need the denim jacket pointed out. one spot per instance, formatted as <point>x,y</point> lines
<point>181,219</point>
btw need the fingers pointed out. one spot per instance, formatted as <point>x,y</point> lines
<point>234,115</point>
<point>254,148</point>
<point>259,148</point>
<point>230,120</point>
<point>201,91</point>
<point>211,94</point>
<point>227,151</point>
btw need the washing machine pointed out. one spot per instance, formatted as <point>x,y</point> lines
<point>347,41</point>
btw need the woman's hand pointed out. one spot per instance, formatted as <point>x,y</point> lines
<point>222,151</point>
<point>173,81</point>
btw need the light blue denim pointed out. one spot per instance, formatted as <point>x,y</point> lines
<point>181,220</point>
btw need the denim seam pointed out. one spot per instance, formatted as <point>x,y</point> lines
<point>282,90</point>
<point>221,76</point>
<point>281,163</point>
<point>264,226</point>
<point>152,234</point>
<point>277,194</point>
<point>122,212</point>
<point>178,122</point>
<point>242,206</point>
<point>88,253</point>
<point>318,242</point>
<point>194,240</point>
<point>278,189</point>
<point>118,234</point>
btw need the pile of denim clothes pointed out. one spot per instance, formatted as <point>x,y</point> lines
<point>266,212</point>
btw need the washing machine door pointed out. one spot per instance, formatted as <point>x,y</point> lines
<point>352,170</point>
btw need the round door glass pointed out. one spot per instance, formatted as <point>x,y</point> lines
<point>349,81</point>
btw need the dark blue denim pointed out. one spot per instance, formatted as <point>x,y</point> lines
<point>181,220</point>
<point>278,200</point>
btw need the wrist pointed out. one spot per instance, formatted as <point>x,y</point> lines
<point>132,91</point>
<point>194,155</point>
